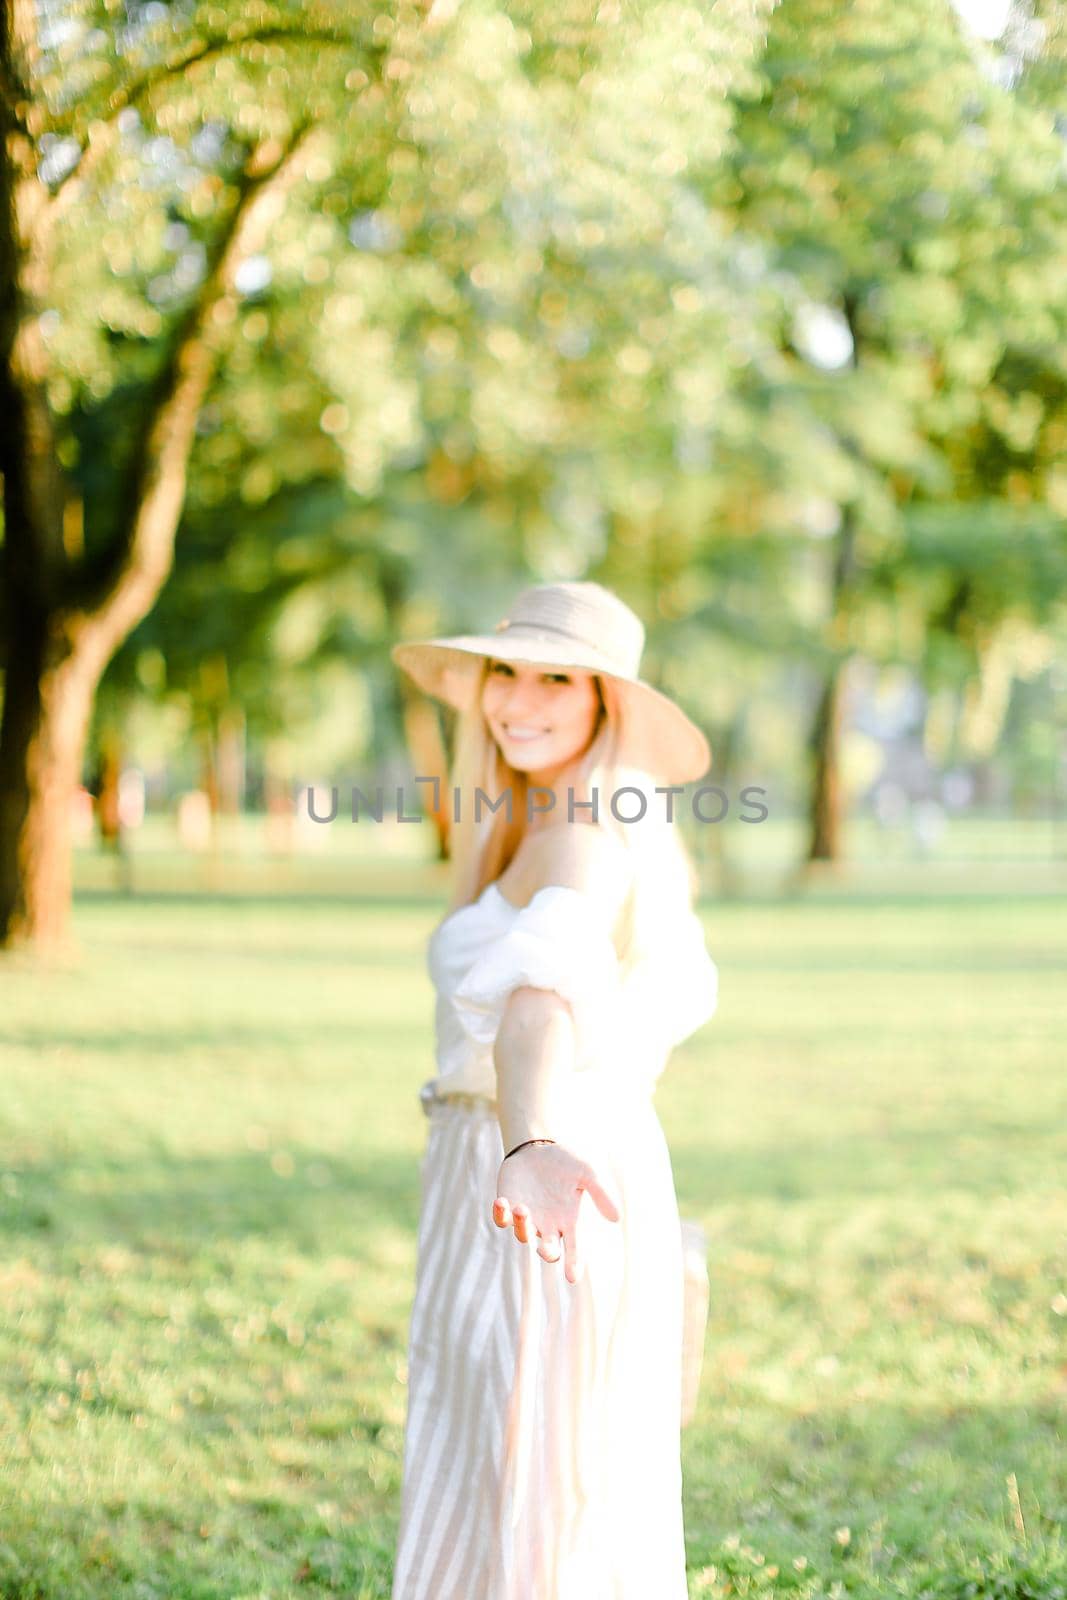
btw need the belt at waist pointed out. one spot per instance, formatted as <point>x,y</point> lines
<point>586,1088</point>
<point>478,1103</point>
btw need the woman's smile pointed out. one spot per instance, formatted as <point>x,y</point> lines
<point>515,698</point>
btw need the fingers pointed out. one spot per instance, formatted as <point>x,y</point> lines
<point>505,1217</point>
<point>521,1214</point>
<point>572,1270</point>
<point>604,1202</point>
<point>548,1249</point>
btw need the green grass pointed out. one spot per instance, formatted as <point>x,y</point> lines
<point>209,1144</point>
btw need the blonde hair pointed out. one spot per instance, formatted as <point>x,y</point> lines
<point>665,881</point>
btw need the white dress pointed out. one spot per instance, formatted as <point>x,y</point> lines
<point>542,1441</point>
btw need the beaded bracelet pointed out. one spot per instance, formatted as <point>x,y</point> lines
<point>525,1142</point>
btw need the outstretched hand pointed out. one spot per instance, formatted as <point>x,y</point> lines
<point>539,1192</point>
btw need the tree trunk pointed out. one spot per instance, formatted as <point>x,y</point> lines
<point>726,743</point>
<point>209,770</point>
<point>231,760</point>
<point>826,791</point>
<point>48,697</point>
<point>65,614</point>
<point>108,793</point>
<point>827,800</point>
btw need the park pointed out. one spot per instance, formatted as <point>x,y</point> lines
<point>325,327</point>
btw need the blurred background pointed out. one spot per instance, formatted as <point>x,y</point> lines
<point>325,326</point>
<point>348,325</point>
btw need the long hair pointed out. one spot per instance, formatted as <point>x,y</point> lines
<point>665,880</point>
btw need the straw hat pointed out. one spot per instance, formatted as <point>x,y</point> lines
<point>580,625</point>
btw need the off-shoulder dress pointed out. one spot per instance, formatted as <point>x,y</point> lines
<point>542,1441</point>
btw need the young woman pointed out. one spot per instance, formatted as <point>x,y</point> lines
<point>542,1443</point>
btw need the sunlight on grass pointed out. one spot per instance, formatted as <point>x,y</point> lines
<point>209,1192</point>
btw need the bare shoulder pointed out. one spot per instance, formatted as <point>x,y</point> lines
<point>583,856</point>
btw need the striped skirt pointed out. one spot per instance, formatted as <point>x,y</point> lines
<point>542,1441</point>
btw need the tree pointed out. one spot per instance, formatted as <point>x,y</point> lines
<point>501,353</point>
<point>71,600</point>
<point>908,193</point>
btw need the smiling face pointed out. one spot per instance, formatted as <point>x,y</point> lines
<point>541,717</point>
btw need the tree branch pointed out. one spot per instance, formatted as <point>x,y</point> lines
<point>118,588</point>
<point>141,88</point>
<point>32,481</point>
<point>14,104</point>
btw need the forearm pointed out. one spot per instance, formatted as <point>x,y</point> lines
<point>534,1055</point>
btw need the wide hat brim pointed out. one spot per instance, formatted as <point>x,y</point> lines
<point>656,735</point>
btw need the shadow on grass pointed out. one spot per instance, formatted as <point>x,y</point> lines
<point>305,1195</point>
<point>300,1038</point>
<point>403,898</point>
<point>315,1202</point>
<point>904,1160</point>
<point>419,891</point>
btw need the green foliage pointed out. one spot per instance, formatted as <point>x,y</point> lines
<point>1025,1576</point>
<point>661,295</point>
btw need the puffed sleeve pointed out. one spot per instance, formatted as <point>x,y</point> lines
<point>675,990</point>
<point>692,980</point>
<point>559,941</point>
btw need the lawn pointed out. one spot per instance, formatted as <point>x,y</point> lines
<point>209,1145</point>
